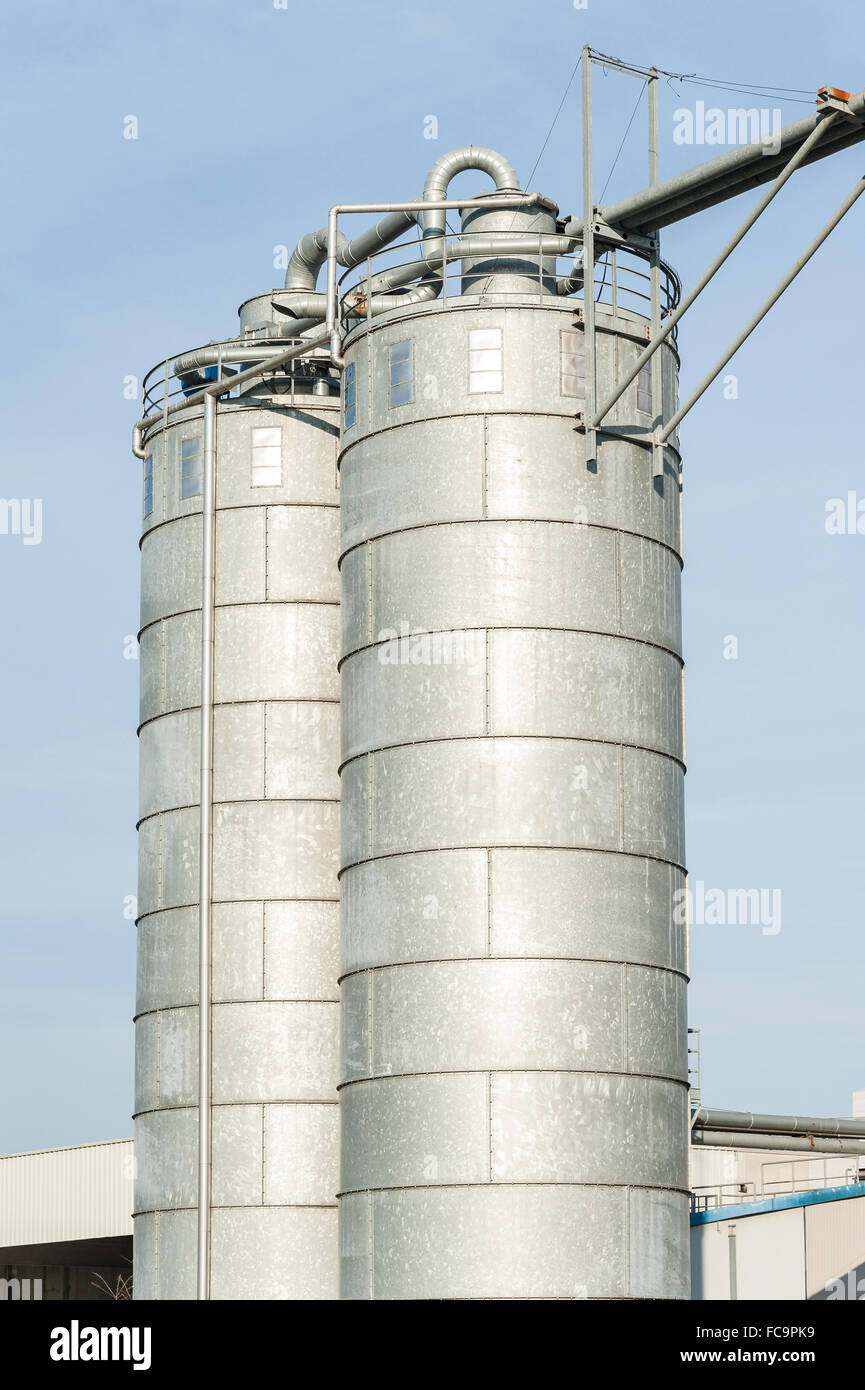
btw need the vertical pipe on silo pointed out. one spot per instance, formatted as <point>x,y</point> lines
<point>208,527</point>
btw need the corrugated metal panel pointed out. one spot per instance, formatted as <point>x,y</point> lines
<point>78,1193</point>
<point>835,1246</point>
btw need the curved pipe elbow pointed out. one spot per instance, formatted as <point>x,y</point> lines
<point>500,170</point>
<point>307,258</point>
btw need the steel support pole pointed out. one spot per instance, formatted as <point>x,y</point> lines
<point>670,323</point>
<point>589,263</point>
<point>856,192</point>
<point>208,520</point>
<point>333,332</point>
<point>655,282</point>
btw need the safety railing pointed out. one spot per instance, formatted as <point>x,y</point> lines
<point>826,1171</point>
<point>621,281</point>
<point>164,387</point>
<point>796,1175</point>
<point>450,269</point>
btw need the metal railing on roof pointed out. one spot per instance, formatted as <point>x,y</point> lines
<point>621,276</point>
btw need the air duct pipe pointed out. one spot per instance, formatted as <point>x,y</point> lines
<point>713,182</point>
<point>188,367</point>
<point>744,1121</point>
<point>500,170</point>
<point>310,253</point>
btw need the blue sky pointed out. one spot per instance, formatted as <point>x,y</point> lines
<point>252,121</point>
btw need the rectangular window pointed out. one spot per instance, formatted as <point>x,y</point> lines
<point>350,401</point>
<point>191,458</point>
<point>267,457</point>
<point>485,359</point>
<point>148,485</point>
<point>573,363</point>
<point>644,389</point>
<point>401,358</point>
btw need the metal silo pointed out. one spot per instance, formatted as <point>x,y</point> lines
<point>514,1079</point>
<point>252,1214</point>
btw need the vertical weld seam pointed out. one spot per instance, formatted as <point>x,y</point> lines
<point>158,1058</point>
<point>489,854</point>
<point>371,1242</point>
<point>620,780</point>
<point>369,595</point>
<point>263,1148</point>
<point>264,750</point>
<point>484,483</point>
<point>155,1254</point>
<point>370,798</point>
<point>370,1003</point>
<point>267,554</point>
<point>618,554</point>
<point>487,681</point>
<point>160,849</point>
<point>489,1081</point>
<point>264,950</point>
<point>163,684</point>
<point>627,1249</point>
<point>626,1044</point>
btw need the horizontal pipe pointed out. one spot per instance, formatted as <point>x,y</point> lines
<point>732,186</point>
<point>814,1144</point>
<point>375,238</point>
<point>648,209</point>
<point>778,1124</point>
<point>474,245</point>
<point>666,329</point>
<point>222,353</point>
<point>729,184</point>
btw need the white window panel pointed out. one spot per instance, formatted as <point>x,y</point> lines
<point>485,359</point>
<point>267,457</point>
<point>148,485</point>
<point>573,363</point>
<point>191,461</point>
<point>350,396</point>
<point>644,389</point>
<point>401,369</point>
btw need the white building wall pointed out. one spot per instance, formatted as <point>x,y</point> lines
<point>812,1251</point>
<point>78,1193</point>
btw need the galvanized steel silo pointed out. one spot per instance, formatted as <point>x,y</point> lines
<point>513,1094</point>
<point>273,1011</point>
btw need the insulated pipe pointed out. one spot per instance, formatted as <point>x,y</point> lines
<point>190,364</point>
<point>799,1143</point>
<point>307,258</point>
<point>374,239</point>
<point>670,322</point>
<point>310,253</point>
<point>475,244</point>
<point>500,170</point>
<point>429,288</point>
<point>779,1124</point>
<point>749,165</point>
